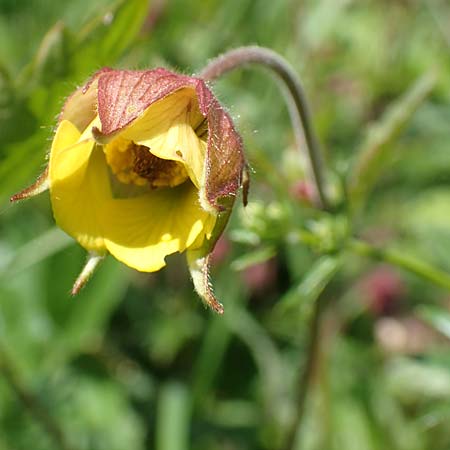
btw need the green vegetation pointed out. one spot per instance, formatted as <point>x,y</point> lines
<point>135,361</point>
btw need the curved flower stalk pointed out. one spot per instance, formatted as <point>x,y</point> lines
<point>144,164</point>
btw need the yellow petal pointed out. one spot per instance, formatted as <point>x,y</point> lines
<point>142,231</point>
<point>80,107</point>
<point>167,129</point>
<point>79,185</point>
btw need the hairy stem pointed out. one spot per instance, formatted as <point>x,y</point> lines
<point>298,105</point>
<point>304,131</point>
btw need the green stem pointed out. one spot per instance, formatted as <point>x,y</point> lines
<point>173,417</point>
<point>400,259</point>
<point>298,105</point>
<point>306,376</point>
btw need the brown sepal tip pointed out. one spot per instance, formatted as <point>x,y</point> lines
<point>88,270</point>
<point>215,305</point>
<point>41,185</point>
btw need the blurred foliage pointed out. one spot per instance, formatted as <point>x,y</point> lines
<point>135,361</point>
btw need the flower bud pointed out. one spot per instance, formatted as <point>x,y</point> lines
<point>144,164</point>
<point>383,290</point>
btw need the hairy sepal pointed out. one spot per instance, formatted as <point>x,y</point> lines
<point>42,184</point>
<point>124,95</point>
<point>199,265</point>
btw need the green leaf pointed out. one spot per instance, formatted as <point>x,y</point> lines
<point>87,314</point>
<point>216,339</point>
<point>416,381</point>
<point>33,252</point>
<point>352,427</point>
<point>51,62</point>
<point>13,111</point>
<point>302,296</point>
<point>173,417</point>
<point>268,359</point>
<point>251,258</point>
<point>393,428</point>
<point>436,317</point>
<point>376,150</point>
<point>43,324</point>
<point>20,167</point>
<point>105,39</point>
<point>96,410</point>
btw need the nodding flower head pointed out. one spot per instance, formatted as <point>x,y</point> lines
<point>144,164</point>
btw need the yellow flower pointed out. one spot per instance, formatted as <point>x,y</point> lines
<point>144,164</point>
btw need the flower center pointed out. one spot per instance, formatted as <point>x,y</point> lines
<point>135,164</point>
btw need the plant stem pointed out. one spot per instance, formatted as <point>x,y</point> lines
<point>306,376</point>
<point>302,123</point>
<point>31,403</point>
<point>298,105</point>
<point>400,259</point>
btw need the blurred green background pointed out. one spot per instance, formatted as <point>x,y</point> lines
<point>135,361</point>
